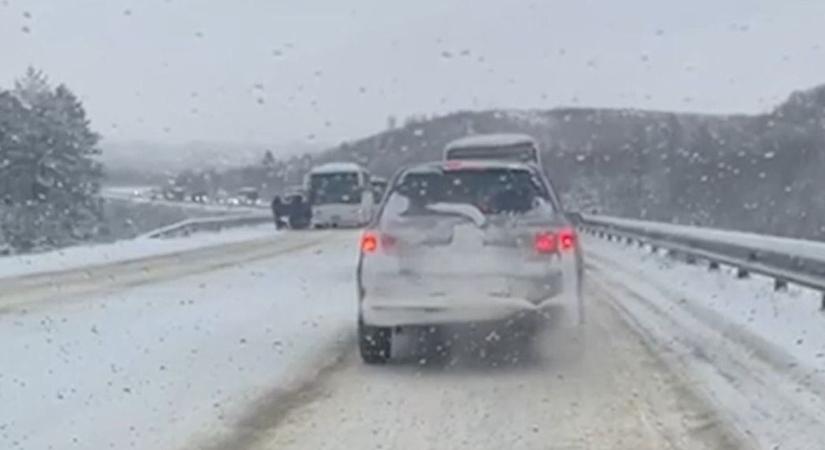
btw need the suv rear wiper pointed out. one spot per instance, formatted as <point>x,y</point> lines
<point>465,210</point>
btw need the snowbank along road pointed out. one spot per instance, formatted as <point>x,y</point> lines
<point>250,345</point>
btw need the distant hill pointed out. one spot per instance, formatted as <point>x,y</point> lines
<point>761,173</point>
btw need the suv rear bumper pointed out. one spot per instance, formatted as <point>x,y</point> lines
<point>413,311</point>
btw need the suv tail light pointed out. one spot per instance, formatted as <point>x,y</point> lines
<point>372,241</point>
<point>567,239</point>
<point>545,242</point>
<point>369,242</point>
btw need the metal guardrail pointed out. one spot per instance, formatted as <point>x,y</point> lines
<point>785,260</point>
<point>188,226</point>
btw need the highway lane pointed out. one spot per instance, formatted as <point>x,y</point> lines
<point>256,350</point>
<point>498,393</point>
<point>162,351</point>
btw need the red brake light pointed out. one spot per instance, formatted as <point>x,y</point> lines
<point>545,242</point>
<point>567,239</point>
<point>369,242</point>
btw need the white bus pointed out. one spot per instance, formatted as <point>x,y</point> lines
<point>340,195</point>
<point>505,147</point>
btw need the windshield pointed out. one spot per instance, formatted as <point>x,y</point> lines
<point>420,224</point>
<point>327,188</point>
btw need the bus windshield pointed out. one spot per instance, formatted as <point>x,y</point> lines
<point>340,187</point>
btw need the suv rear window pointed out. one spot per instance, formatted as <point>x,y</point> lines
<point>491,191</point>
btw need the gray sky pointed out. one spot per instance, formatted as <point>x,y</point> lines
<point>269,70</point>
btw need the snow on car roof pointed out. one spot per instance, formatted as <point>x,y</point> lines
<point>491,140</point>
<point>336,167</point>
<point>440,166</point>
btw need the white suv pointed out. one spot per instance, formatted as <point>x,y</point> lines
<point>465,241</point>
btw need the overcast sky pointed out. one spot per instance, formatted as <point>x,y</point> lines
<point>274,71</point>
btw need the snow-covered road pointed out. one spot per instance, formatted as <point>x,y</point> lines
<point>156,353</point>
<point>249,345</point>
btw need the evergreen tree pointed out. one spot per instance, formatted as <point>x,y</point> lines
<point>49,177</point>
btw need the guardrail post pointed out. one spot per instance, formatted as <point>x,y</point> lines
<point>713,265</point>
<point>742,273</point>
<point>822,306</point>
<point>690,259</point>
<point>780,285</point>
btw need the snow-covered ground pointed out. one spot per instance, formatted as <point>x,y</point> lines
<point>161,365</point>
<point>91,255</point>
<point>179,358</point>
<point>759,354</point>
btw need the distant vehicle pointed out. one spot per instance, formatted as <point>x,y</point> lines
<point>248,196</point>
<point>199,197</point>
<point>155,194</point>
<point>504,147</point>
<point>379,185</point>
<point>340,195</point>
<point>174,193</point>
<point>466,242</point>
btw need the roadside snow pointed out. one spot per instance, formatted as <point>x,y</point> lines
<point>165,364</point>
<point>759,354</point>
<point>89,255</point>
<point>789,320</point>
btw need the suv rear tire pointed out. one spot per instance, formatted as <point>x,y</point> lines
<point>375,343</point>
